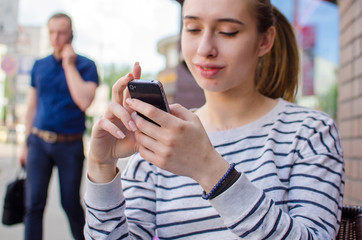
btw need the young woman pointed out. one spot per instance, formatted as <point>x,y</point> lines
<point>248,164</point>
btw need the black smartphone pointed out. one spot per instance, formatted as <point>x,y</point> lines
<point>149,91</point>
<point>70,39</point>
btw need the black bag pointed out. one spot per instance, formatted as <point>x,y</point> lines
<point>14,201</point>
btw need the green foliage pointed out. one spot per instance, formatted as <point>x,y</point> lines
<point>112,73</point>
<point>89,121</point>
<point>328,101</point>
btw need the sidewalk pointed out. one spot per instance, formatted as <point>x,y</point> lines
<point>55,222</point>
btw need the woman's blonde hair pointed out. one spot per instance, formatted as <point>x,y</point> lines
<point>278,71</point>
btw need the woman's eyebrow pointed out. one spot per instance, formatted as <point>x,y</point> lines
<point>230,20</point>
<point>191,17</point>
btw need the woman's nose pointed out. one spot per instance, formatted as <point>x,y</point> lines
<point>207,47</point>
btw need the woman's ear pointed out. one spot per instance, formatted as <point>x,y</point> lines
<point>267,41</point>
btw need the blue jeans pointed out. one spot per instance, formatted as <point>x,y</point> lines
<point>68,157</point>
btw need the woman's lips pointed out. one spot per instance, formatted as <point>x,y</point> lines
<point>208,71</point>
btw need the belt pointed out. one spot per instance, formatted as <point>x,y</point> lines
<point>53,137</point>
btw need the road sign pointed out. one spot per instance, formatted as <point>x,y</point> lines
<point>9,64</point>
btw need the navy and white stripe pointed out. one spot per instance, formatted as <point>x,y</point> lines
<point>291,187</point>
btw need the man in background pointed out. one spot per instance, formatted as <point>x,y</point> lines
<point>63,86</point>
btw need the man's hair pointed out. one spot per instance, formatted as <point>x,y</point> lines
<point>62,15</point>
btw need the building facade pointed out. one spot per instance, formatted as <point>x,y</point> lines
<point>350,97</point>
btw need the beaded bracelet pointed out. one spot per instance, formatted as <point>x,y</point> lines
<point>216,187</point>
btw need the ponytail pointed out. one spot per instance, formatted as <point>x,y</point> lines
<point>278,71</point>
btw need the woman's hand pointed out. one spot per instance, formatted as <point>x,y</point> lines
<point>180,145</point>
<point>113,135</point>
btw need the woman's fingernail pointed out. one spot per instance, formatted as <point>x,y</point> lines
<point>129,101</point>
<point>132,126</point>
<point>134,115</point>
<point>129,75</point>
<point>121,134</point>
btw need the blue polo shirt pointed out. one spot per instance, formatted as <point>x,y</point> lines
<point>56,110</point>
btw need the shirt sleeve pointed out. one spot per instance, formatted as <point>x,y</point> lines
<point>107,216</point>
<point>32,76</point>
<point>105,206</point>
<point>88,70</point>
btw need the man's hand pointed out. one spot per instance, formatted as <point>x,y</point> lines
<point>23,156</point>
<point>68,55</point>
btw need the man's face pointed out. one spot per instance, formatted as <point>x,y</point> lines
<point>60,33</point>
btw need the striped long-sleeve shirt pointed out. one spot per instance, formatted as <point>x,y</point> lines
<point>291,187</point>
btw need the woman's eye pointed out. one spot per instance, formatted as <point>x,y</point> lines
<point>230,34</point>
<point>192,30</point>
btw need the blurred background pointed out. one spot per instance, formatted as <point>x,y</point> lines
<point>115,34</point>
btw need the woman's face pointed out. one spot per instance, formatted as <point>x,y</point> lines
<point>220,43</point>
